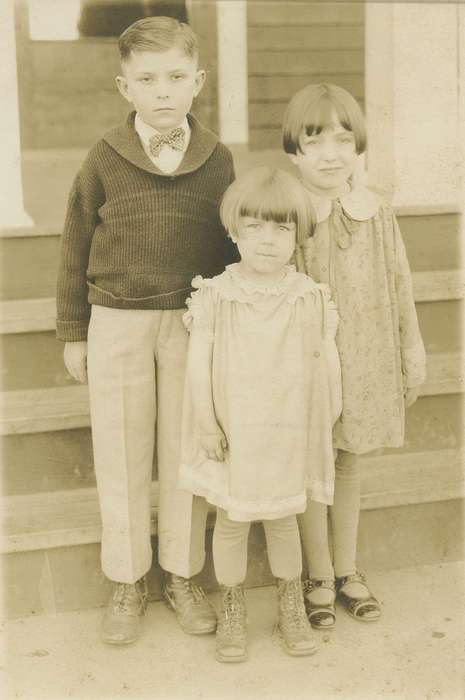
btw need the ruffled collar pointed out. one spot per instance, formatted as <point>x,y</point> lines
<point>360,204</point>
<point>270,289</point>
<point>233,286</point>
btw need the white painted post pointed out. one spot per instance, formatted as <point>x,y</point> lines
<point>412,102</point>
<point>232,71</point>
<point>12,212</point>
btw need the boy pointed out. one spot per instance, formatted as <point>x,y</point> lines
<point>142,221</point>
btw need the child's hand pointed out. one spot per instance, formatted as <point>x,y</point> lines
<point>410,396</point>
<point>214,444</point>
<point>75,359</point>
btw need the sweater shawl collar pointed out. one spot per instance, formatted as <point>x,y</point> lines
<point>125,141</point>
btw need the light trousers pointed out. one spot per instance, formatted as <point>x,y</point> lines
<point>344,517</point>
<point>136,366</point>
<point>230,539</point>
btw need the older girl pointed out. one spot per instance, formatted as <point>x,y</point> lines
<point>262,395</point>
<point>358,251</point>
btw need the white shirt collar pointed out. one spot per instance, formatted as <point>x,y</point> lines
<point>146,131</point>
<point>360,204</point>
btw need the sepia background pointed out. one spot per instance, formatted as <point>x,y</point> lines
<point>404,62</point>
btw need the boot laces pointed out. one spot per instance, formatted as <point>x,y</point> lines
<point>233,610</point>
<point>126,597</point>
<point>187,590</point>
<point>293,611</point>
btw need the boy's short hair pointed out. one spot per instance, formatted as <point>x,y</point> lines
<point>311,110</point>
<point>271,194</point>
<point>157,34</point>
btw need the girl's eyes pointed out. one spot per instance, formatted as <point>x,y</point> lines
<point>177,76</point>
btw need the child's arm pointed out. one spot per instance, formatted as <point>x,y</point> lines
<point>411,343</point>
<point>85,199</point>
<point>199,371</point>
<point>329,325</point>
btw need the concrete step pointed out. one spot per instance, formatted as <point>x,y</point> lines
<point>34,361</point>
<point>72,517</point>
<point>70,577</point>
<point>30,256</point>
<point>25,315</point>
<point>62,460</point>
<point>42,410</point>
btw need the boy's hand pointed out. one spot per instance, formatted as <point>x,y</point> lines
<point>75,359</point>
<point>410,396</point>
<point>214,444</point>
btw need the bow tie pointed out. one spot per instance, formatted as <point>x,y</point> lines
<point>175,139</point>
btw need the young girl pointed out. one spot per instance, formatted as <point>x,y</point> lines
<point>358,251</point>
<point>262,395</point>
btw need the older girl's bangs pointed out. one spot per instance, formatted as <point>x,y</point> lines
<point>323,113</point>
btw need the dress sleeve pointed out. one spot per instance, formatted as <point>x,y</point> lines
<point>200,314</point>
<point>411,343</point>
<point>329,327</point>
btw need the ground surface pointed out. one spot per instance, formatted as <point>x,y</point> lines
<point>416,651</point>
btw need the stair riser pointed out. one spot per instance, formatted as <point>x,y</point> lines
<point>29,267</point>
<point>35,360</point>
<point>61,460</point>
<point>70,578</point>
<point>432,242</point>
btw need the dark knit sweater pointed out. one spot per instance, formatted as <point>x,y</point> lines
<point>134,237</point>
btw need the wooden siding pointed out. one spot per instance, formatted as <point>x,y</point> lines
<point>291,44</point>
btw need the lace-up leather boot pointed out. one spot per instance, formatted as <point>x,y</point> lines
<point>231,633</point>
<point>293,625</point>
<point>121,621</point>
<point>193,611</point>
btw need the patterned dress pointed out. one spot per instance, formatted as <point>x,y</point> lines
<point>276,394</point>
<point>358,251</point>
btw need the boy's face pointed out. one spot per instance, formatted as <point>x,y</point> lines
<point>161,86</point>
<point>326,160</point>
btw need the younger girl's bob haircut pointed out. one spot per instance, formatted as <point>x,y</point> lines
<point>314,107</point>
<point>270,194</point>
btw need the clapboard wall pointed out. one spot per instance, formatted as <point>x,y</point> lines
<point>291,44</point>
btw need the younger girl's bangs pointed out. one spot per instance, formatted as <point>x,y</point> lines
<point>270,201</point>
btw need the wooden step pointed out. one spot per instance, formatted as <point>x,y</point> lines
<point>62,460</point>
<point>66,518</point>
<point>38,410</point>
<point>28,315</point>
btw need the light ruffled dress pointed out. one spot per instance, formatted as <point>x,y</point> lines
<point>276,392</point>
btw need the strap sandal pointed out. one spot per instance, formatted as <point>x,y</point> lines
<point>322,616</point>
<point>366,609</point>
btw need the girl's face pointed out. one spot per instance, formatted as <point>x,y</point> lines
<point>327,160</point>
<point>265,247</point>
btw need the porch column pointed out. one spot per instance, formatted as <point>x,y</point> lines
<point>232,71</point>
<point>12,212</point>
<point>412,102</point>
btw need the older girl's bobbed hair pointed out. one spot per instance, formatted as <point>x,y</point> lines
<point>313,108</point>
<point>270,194</point>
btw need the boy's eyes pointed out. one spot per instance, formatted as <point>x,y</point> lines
<point>147,80</point>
